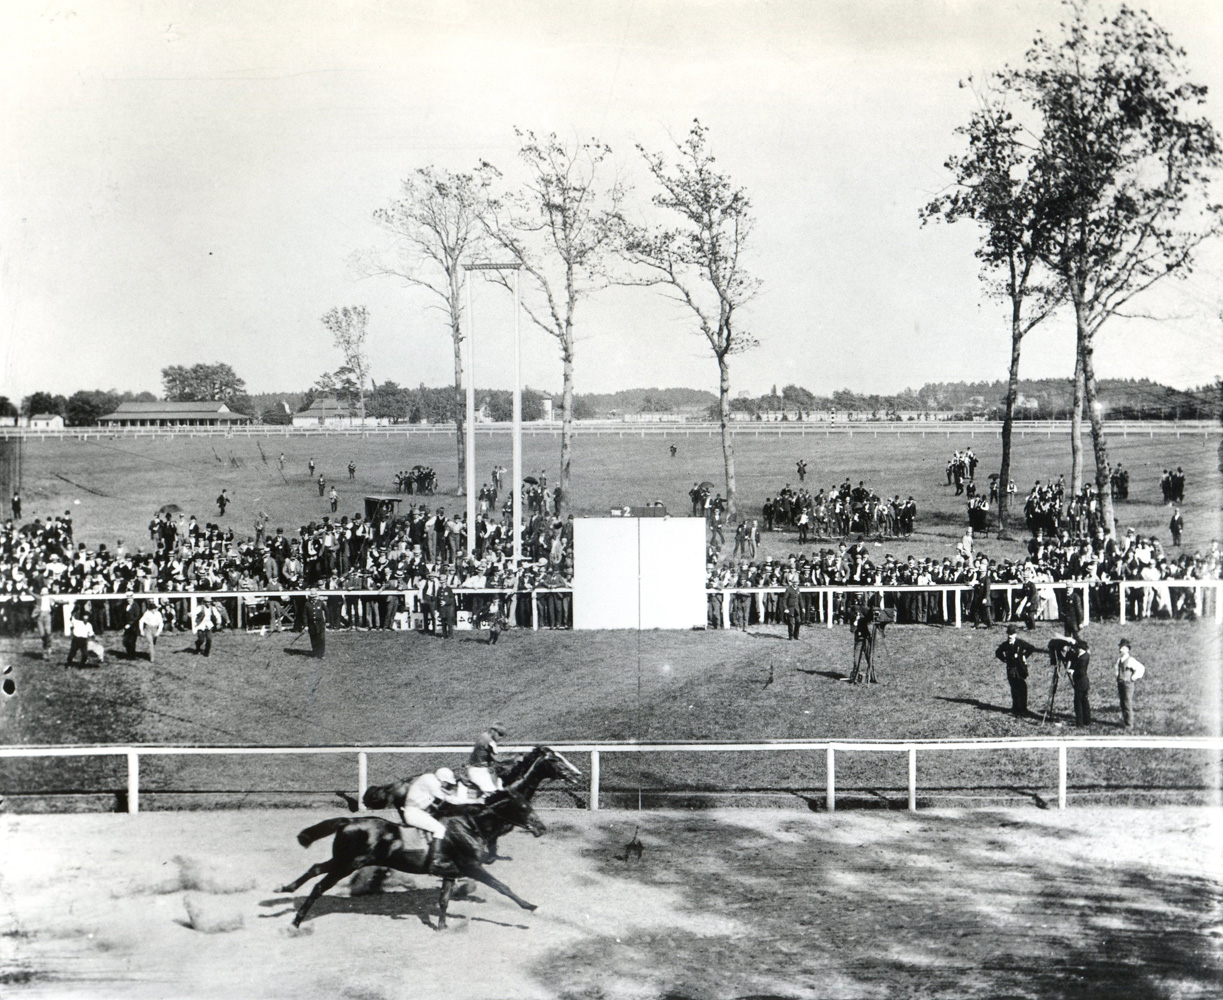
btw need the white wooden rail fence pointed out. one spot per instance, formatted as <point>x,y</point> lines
<point>598,751</point>
<point>949,594</point>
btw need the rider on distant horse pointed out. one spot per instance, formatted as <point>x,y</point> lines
<point>426,791</point>
<point>482,764</point>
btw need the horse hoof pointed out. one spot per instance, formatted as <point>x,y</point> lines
<point>530,907</point>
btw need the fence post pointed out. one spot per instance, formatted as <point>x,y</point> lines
<point>534,612</point>
<point>912,779</point>
<point>1218,603</point>
<point>1086,604</point>
<point>832,780</point>
<point>1061,776</point>
<point>594,780</point>
<point>829,619</point>
<point>725,609</point>
<point>191,611</point>
<point>69,608</point>
<point>1121,599</point>
<point>362,774</point>
<point>133,782</point>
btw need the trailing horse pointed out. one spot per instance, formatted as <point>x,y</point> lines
<point>537,765</point>
<point>372,841</point>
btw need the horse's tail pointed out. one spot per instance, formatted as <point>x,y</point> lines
<point>320,830</point>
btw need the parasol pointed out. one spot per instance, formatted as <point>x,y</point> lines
<point>707,485</point>
<point>169,508</point>
<point>531,479</point>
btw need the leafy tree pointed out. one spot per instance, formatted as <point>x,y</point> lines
<point>798,397</point>
<point>349,328</point>
<point>83,408</point>
<point>698,260</point>
<point>583,408</point>
<point>216,382</point>
<point>7,407</point>
<point>389,401</point>
<point>436,226</point>
<point>43,402</point>
<point>1125,171</point>
<point>998,185</point>
<point>560,228</point>
<point>501,404</point>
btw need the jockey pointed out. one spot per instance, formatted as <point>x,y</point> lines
<point>426,791</point>
<point>481,765</point>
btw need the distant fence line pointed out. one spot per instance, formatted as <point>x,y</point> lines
<point>597,751</point>
<point>826,604</point>
<point>740,428</point>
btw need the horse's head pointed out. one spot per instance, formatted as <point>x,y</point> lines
<point>558,766</point>
<point>511,807</point>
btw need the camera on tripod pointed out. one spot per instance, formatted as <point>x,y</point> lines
<point>883,616</point>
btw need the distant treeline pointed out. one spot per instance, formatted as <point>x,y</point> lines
<point>1039,399</point>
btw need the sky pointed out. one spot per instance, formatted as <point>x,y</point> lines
<point>185,182</point>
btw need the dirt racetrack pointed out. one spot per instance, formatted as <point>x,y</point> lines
<point>1091,902</point>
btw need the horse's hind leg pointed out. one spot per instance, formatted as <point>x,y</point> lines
<point>312,872</point>
<point>320,887</point>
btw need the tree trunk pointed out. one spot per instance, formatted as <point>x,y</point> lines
<point>1008,420</point>
<point>566,425</point>
<point>1095,413</point>
<point>460,402</point>
<point>1076,417</point>
<point>728,448</point>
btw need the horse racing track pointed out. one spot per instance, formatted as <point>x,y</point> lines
<point>1090,902</point>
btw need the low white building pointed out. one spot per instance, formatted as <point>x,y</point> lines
<point>46,422</point>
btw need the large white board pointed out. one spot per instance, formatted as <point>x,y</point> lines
<point>639,572</point>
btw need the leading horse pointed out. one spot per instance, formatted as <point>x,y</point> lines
<point>373,841</point>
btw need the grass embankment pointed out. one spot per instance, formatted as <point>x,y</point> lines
<point>573,687</point>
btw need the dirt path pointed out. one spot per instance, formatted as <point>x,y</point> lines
<point>1090,902</point>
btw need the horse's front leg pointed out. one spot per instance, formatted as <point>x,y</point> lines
<point>312,872</point>
<point>443,902</point>
<point>477,871</point>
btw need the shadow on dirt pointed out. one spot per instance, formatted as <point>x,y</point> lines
<point>972,905</point>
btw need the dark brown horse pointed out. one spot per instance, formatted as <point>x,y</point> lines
<point>372,841</point>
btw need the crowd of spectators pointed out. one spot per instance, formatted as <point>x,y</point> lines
<point>840,512</point>
<point>1099,563</point>
<point>404,559</point>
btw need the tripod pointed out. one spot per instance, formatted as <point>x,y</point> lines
<point>1058,667</point>
<point>865,639</point>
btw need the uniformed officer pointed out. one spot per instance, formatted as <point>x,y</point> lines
<point>316,624</point>
<point>1014,653</point>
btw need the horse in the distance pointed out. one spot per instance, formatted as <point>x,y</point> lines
<point>537,765</point>
<point>373,841</point>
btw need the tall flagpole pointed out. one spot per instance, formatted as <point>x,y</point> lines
<point>515,487</point>
<point>471,424</point>
<point>516,483</point>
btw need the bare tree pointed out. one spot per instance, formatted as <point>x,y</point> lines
<point>560,227</point>
<point>995,184</point>
<point>349,327</point>
<point>436,226</point>
<point>698,262</point>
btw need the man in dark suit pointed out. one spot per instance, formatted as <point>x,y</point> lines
<point>447,608</point>
<point>1014,653</point>
<point>791,605</point>
<point>1076,654</point>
